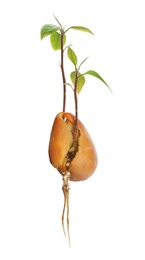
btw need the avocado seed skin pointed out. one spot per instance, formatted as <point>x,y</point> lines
<point>85,160</point>
<point>60,142</point>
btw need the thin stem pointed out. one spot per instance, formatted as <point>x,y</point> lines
<point>62,71</point>
<point>76,105</point>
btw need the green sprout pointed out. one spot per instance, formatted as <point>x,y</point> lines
<point>58,42</point>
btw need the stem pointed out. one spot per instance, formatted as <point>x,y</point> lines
<point>76,105</point>
<point>62,71</point>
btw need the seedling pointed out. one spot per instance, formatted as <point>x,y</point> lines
<point>71,150</point>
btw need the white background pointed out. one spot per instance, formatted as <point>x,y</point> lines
<point>107,211</point>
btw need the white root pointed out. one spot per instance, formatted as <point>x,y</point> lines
<point>65,188</point>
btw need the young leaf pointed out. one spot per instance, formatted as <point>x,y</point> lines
<point>73,77</point>
<point>82,62</point>
<point>57,21</point>
<point>72,56</point>
<point>80,81</point>
<point>70,85</point>
<point>48,29</point>
<point>80,28</point>
<point>95,74</point>
<point>55,40</point>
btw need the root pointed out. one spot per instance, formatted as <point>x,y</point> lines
<point>65,189</point>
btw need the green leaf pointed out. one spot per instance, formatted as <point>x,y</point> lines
<point>55,40</point>
<point>48,29</point>
<point>73,77</point>
<point>80,81</point>
<point>95,74</point>
<point>80,28</point>
<point>72,56</point>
